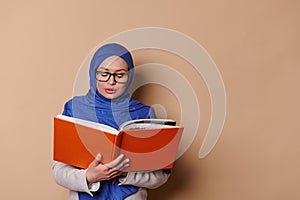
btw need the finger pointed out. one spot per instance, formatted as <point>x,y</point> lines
<point>115,162</point>
<point>124,167</point>
<point>115,174</point>
<point>97,160</point>
<point>124,164</point>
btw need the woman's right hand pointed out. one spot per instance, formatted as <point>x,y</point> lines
<point>97,171</point>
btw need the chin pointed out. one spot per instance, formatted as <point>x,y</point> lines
<point>111,96</point>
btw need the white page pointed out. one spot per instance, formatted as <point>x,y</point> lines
<point>90,124</point>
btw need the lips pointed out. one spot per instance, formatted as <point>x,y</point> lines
<point>110,91</point>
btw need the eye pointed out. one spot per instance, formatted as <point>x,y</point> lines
<point>104,74</point>
<point>120,75</point>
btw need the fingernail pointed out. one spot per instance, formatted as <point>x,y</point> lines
<point>98,157</point>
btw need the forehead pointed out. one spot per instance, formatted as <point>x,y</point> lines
<point>113,63</point>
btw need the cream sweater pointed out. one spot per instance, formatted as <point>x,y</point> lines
<point>75,180</point>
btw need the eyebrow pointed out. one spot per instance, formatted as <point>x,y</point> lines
<point>106,69</point>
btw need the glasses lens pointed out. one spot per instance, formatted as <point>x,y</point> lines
<point>121,77</point>
<point>118,77</point>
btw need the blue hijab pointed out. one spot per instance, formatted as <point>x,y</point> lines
<point>113,112</point>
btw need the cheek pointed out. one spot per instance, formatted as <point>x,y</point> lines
<point>100,87</point>
<point>120,90</point>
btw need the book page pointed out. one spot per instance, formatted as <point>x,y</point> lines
<point>90,124</point>
<point>147,124</point>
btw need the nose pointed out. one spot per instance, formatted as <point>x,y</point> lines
<point>112,79</point>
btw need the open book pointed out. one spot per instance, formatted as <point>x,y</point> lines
<point>150,144</point>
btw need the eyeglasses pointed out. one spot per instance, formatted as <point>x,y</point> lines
<point>119,77</point>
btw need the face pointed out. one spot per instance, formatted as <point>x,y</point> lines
<point>112,89</point>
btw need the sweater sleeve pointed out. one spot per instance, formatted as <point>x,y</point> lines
<point>73,178</point>
<point>145,179</point>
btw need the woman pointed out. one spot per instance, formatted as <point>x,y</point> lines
<point>108,102</point>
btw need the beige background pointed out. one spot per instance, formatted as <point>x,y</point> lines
<point>255,44</point>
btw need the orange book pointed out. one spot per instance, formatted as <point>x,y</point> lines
<point>150,144</point>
